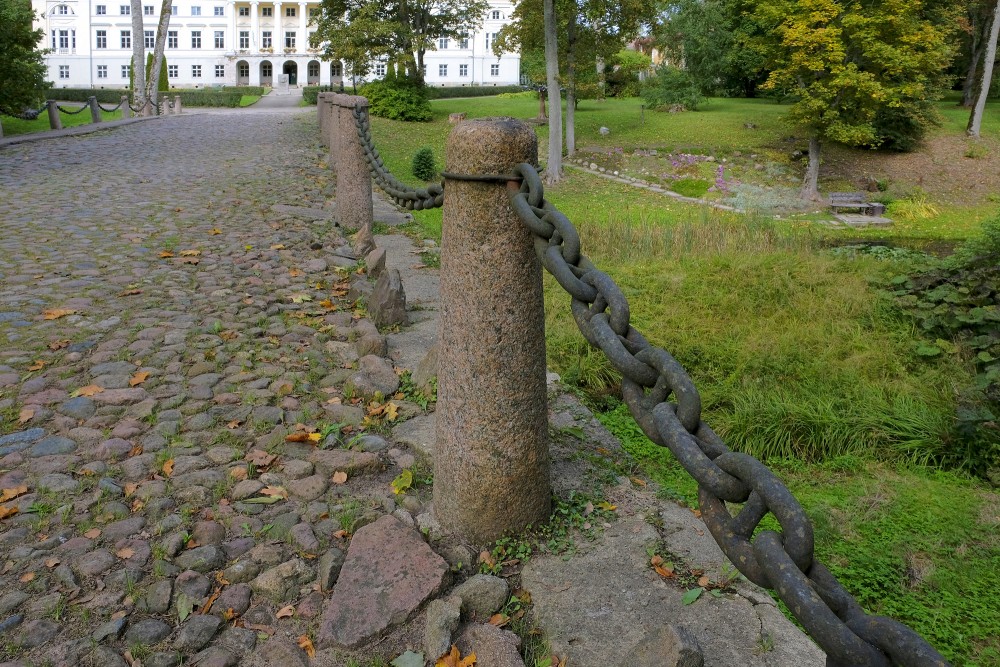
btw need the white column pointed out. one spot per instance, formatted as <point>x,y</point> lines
<point>324,71</point>
<point>233,43</point>
<point>277,35</point>
<point>302,42</point>
<point>254,27</point>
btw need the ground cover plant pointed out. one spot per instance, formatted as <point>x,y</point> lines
<point>799,348</point>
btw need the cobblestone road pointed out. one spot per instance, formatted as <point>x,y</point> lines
<point>159,321</point>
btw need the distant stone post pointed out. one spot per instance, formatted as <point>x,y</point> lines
<point>324,107</point>
<point>54,121</point>
<point>491,459</point>
<point>177,105</point>
<point>126,109</point>
<point>95,109</point>
<point>354,182</point>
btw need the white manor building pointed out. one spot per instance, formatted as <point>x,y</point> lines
<point>227,42</point>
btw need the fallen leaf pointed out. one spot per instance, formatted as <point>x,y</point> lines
<point>215,231</point>
<point>704,581</point>
<point>131,292</point>
<point>692,595</point>
<point>260,458</point>
<point>51,562</point>
<point>6,512</point>
<point>286,612</point>
<point>12,492</point>
<point>228,335</point>
<point>166,254</point>
<point>135,451</point>
<point>339,477</point>
<point>168,467</point>
<point>300,298</point>
<point>239,474</point>
<point>341,534</point>
<point>499,620</point>
<point>696,512</point>
<point>26,577</point>
<point>58,344</point>
<point>229,614</point>
<point>233,424</point>
<point>328,304</point>
<point>130,488</point>
<point>38,365</point>
<point>485,557</point>
<point>138,378</point>
<point>190,253</point>
<point>315,437</point>
<point>56,313</point>
<point>297,437</point>
<point>295,273</point>
<point>454,659</point>
<point>606,506</point>
<point>392,412</point>
<point>125,553</point>
<point>89,390</point>
<point>25,415</point>
<point>93,533</point>
<point>190,260</point>
<point>306,645</point>
<point>210,601</point>
<point>637,481</point>
<point>403,482</point>
<point>274,491</point>
<point>278,246</point>
<point>656,560</point>
<point>664,572</point>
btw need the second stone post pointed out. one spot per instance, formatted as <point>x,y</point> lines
<point>491,459</point>
<point>354,182</point>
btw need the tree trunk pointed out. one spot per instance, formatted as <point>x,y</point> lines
<point>553,169</point>
<point>161,41</point>
<point>138,56</point>
<point>969,85</point>
<point>541,106</point>
<point>976,118</point>
<point>571,81</point>
<point>602,80</point>
<point>810,182</point>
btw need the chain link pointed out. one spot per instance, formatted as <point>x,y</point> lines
<point>112,109</point>
<point>73,113</point>
<point>782,561</point>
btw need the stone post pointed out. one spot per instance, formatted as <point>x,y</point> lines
<point>147,108</point>
<point>54,121</point>
<point>322,116</point>
<point>95,109</point>
<point>354,183</point>
<point>126,110</point>
<point>491,459</point>
<point>177,105</point>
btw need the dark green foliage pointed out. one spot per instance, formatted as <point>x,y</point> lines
<point>163,84</point>
<point>903,128</point>
<point>470,91</point>
<point>210,98</point>
<point>957,302</point>
<point>672,89</point>
<point>397,101</point>
<point>22,70</point>
<point>423,166</point>
<point>103,95</point>
<point>309,93</point>
<point>691,187</point>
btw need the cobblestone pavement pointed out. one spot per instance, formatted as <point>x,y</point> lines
<point>163,330</point>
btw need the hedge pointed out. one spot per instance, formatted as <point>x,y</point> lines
<point>193,97</point>
<point>436,93</point>
<point>310,93</point>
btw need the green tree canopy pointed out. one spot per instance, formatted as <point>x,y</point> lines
<point>22,68</point>
<point>360,32</point>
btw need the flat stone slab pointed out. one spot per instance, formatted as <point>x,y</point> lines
<point>857,220</point>
<point>418,433</point>
<point>388,573</point>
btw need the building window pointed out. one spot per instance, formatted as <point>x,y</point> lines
<point>265,39</point>
<point>336,69</point>
<point>220,11</point>
<point>101,10</point>
<point>290,39</point>
<point>220,71</point>
<point>491,37</point>
<point>195,71</point>
<point>173,10</point>
<point>244,39</point>
<point>463,41</point>
<point>379,69</point>
<point>289,11</point>
<point>463,70</point>
<point>125,10</point>
<point>126,39</point>
<point>172,71</point>
<point>220,39</point>
<point>102,71</point>
<point>196,39</point>
<point>126,70</point>
<point>195,11</point>
<point>64,71</point>
<point>496,15</point>
<point>62,9</point>
<point>102,40</point>
<point>495,69</point>
<point>149,10</point>
<point>267,11</point>
<point>172,39</point>
<point>244,70</point>
<point>265,70</point>
<point>149,39</point>
<point>442,70</point>
<point>244,11</point>
<point>443,43</point>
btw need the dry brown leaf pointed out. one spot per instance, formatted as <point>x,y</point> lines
<point>26,577</point>
<point>215,231</point>
<point>190,253</point>
<point>25,415</point>
<point>664,572</point>
<point>89,390</point>
<point>341,534</point>
<point>340,477</point>
<point>297,437</point>
<point>211,600</point>
<point>12,492</point>
<point>138,378</point>
<point>275,491</point>
<point>278,246</point>
<point>228,335</point>
<point>306,645</point>
<point>637,481</point>
<point>93,533</point>
<point>168,467</point>
<point>454,659</point>
<point>166,254</point>
<point>286,612</point>
<point>131,292</point>
<point>656,560</point>
<point>328,304</point>
<point>130,488</point>
<point>38,365</point>
<point>58,344</point>
<point>239,474</point>
<point>51,562</point>
<point>234,424</point>
<point>485,557</point>
<point>125,553</point>
<point>6,512</point>
<point>260,458</point>
<point>499,620</point>
<point>135,451</point>
<point>56,313</point>
<point>704,581</point>
<point>295,273</point>
<point>190,260</point>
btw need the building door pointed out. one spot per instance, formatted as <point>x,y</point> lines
<point>292,70</point>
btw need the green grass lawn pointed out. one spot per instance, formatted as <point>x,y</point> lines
<point>247,100</point>
<point>14,126</point>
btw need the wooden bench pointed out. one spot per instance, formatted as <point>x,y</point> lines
<point>855,200</point>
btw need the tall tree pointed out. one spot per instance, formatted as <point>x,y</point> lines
<point>362,31</point>
<point>843,61</point>
<point>166,9</point>
<point>974,26</point>
<point>976,117</point>
<point>22,65</point>
<point>139,91</point>
<point>553,168</point>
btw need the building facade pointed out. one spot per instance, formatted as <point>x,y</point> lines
<point>227,42</point>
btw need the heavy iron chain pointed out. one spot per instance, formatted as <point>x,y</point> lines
<point>782,561</point>
<point>27,114</point>
<point>402,194</point>
<point>73,113</point>
<point>112,109</point>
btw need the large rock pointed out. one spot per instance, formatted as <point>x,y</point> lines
<point>282,582</point>
<point>482,596</point>
<point>387,304</point>
<point>493,646</point>
<point>389,572</point>
<point>329,461</point>
<point>375,376</point>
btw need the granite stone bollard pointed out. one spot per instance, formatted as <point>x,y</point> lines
<point>331,128</point>
<point>95,109</point>
<point>55,122</point>
<point>354,183</point>
<point>491,460</point>
<point>177,105</point>
<point>126,110</point>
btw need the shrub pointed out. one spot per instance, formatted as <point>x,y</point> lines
<point>470,91</point>
<point>672,89</point>
<point>311,93</point>
<point>397,101</point>
<point>423,166</point>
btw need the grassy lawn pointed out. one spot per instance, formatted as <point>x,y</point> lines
<point>13,126</point>
<point>247,100</point>
<point>800,355</point>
